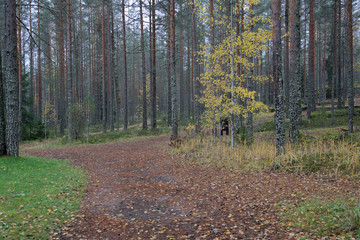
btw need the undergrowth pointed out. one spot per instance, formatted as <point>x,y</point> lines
<point>322,217</point>
<point>333,157</point>
<point>38,196</point>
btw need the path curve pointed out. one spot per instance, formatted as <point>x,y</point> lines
<point>137,191</point>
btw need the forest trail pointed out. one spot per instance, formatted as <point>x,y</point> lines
<point>138,191</point>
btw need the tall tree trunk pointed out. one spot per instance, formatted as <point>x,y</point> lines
<point>339,65</point>
<point>104,115</point>
<point>181,66</point>
<point>334,59</point>
<point>278,82</point>
<point>311,68</point>
<point>11,80</point>
<point>295,74</point>
<point>349,59</point>
<point>2,110</point>
<point>174,110</point>
<point>195,68</point>
<point>143,68</point>
<point>39,80</point>
<point>125,69</point>
<point>62,100</point>
<point>249,120</point>
<point>153,74</point>
<point>20,68</point>
<point>69,68</point>
<point>110,69</point>
<point>169,74</point>
<point>31,61</point>
<point>286,61</point>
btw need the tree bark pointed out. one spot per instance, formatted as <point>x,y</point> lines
<point>174,110</point>
<point>20,68</point>
<point>104,119</point>
<point>11,80</point>
<point>62,100</point>
<point>143,68</point>
<point>349,59</point>
<point>195,68</point>
<point>2,111</point>
<point>286,61</point>
<point>69,62</point>
<point>311,66</point>
<point>181,66</point>
<point>278,81</point>
<point>294,73</point>
<point>39,80</point>
<point>153,74</point>
<point>334,59</point>
<point>125,69</point>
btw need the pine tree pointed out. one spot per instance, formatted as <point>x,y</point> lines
<point>349,62</point>
<point>277,76</point>
<point>2,111</point>
<point>11,80</point>
<point>295,71</point>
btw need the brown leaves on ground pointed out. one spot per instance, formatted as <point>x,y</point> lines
<point>137,191</point>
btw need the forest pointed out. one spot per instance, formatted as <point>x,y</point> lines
<point>216,119</point>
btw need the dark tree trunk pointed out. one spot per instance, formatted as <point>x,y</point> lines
<point>104,120</point>
<point>39,80</point>
<point>295,74</point>
<point>2,110</point>
<point>143,68</point>
<point>153,74</point>
<point>181,68</point>
<point>195,68</point>
<point>69,62</point>
<point>11,80</point>
<point>125,69</point>
<point>349,62</point>
<point>20,68</point>
<point>277,76</point>
<point>311,62</point>
<point>62,100</point>
<point>334,59</point>
<point>286,61</point>
<point>174,110</point>
<point>339,61</point>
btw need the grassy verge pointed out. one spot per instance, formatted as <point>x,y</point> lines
<point>99,138</point>
<point>337,217</point>
<point>37,196</point>
<point>331,157</point>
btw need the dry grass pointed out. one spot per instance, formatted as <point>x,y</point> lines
<point>328,156</point>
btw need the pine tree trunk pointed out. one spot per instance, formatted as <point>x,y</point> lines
<point>20,68</point>
<point>295,74</point>
<point>277,76</point>
<point>174,110</point>
<point>181,68</point>
<point>62,100</point>
<point>2,110</point>
<point>169,74</point>
<point>69,63</point>
<point>110,69</point>
<point>334,59</point>
<point>143,68</point>
<point>125,69</point>
<point>11,80</point>
<point>286,61</point>
<point>311,67</point>
<point>339,65</point>
<point>195,68</point>
<point>104,119</point>
<point>39,80</point>
<point>349,63</point>
<point>153,75</point>
<point>31,60</point>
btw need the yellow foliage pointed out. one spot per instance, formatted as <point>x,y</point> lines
<point>224,92</point>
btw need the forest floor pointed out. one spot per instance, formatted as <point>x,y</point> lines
<point>136,190</point>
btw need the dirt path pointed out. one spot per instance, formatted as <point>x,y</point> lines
<point>137,191</point>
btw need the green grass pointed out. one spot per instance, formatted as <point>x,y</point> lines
<point>337,217</point>
<point>37,196</point>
